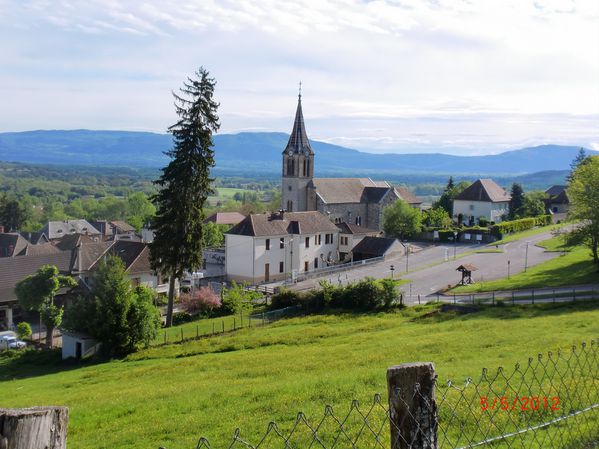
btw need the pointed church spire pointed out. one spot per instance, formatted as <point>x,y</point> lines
<point>298,140</point>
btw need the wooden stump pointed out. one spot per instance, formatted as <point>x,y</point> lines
<point>34,428</point>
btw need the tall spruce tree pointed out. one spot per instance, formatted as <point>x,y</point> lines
<point>581,156</point>
<point>517,200</point>
<point>184,185</point>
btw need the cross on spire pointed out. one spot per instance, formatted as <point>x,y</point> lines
<point>300,90</point>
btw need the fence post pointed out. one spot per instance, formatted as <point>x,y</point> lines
<point>197,331</point>
<point>493,302</point>
<point>513,297</point>
<point>574,293</point>
<point>418,298</point>
<point>223,323</point>
<point>164,337</point>
<point>234,323</point>
<point>181,334</point>
<point>34,428</point>
<point>412,406</point>
<point>554,295</point>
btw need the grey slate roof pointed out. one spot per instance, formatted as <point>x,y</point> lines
<point>58,229</point>
<point>348,228</point>
<point>264,225</point>
<point>555,190</point>
<point>298,140</point>
<point>374,246</point>
<point>349,190</point>
<point>484,190</point>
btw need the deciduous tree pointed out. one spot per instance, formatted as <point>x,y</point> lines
<point>37,292</point>
<point>583,192</point>
<point>185,183</point>
<point>401,220</point>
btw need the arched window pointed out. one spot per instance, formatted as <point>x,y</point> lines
<point>305,165</point>
<point>289,206</point>
<point>307,168</point>
<point>290,167</point>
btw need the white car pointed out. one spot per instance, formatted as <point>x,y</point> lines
<point>9,342</point>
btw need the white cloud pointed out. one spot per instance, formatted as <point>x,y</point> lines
<point>404,68</point>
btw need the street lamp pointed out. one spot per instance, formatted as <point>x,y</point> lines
<point>526,257</point>
<point>455,243</point>
<point>392,268</point>
<point>508,269</point>
<point>407,257</point>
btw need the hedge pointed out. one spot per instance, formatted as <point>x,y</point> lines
<point>523,224</point>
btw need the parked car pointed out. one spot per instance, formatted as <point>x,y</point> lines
<point>9,342</point>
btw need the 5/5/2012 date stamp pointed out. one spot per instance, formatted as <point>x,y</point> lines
<point>520,403</point>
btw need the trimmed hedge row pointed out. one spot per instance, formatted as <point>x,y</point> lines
<point>523,224</point>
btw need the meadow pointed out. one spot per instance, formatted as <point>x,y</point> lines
<point>170,395</point>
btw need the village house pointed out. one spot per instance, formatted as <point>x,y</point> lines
<point>270,247</point>
<point>483,198</point>
<point>349,236</point>
<point>557,201</point>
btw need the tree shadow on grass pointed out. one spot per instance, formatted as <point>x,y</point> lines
<point>33,362</point>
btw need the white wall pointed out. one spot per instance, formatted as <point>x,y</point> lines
<point>69,346</point>
<point>239,261</point>
<point>491,211</point>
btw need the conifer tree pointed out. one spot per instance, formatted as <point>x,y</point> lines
<point>517,200</point>
<point>579,159</point>
<point>184,185</point>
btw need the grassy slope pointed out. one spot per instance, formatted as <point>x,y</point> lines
<point>524,234</point>
<point>170,395</point>
<point>573,267</point>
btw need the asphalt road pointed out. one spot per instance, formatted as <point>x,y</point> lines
<point>434,267</point>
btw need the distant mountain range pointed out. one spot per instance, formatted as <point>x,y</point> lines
<point>260,153</point>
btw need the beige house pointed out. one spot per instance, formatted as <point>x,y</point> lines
<point>271,247</point>
<point>483,198</point>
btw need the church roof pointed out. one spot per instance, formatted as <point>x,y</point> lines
<point>484,190</point>
<point>350,190</point>
<point>298,140</point>
<point>407,196</point>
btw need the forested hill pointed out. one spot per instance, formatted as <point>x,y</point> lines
<point>260,153</point>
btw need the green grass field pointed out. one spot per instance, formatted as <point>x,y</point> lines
<point>170,395</point>
<point>524,234</point>
<point>573,267</point>
<point>225,194</point>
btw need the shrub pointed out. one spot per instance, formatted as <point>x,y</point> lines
<point>202,300</point>
<point>284,298</point>
<point>182,318</point>
<point>483,221</point>
<point>388,291</point>
<point>508,227</point>
<point>237,298</point>
<point>23,330</point>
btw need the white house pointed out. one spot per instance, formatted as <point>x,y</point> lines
<point>483,198</point>
<point>270,247</point>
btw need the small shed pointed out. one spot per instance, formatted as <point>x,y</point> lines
<point>78,345</point>
<point>466,270</point>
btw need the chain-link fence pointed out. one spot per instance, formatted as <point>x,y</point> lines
<point>549,402</point>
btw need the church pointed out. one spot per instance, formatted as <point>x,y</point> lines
<point>355,201</point>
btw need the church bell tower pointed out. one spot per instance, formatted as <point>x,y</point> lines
<point>298,165</point>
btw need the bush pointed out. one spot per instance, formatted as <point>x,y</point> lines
<point>23,330</point>
<point>202,300</point>
<point>523,224</point>
<point>483,221</point>
<point>238,299</point>
<point>182,318</point>
<point>285,298</point>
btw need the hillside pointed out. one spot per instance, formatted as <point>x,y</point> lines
<point>260,153</point>
<point>170,395</point>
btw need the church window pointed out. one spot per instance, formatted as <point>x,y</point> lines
<point>305,166</point>
<point>308,167</point>
<point>289,188</point>
<point>289,206</point>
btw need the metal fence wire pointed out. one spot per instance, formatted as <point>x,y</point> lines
<point>549,402</point>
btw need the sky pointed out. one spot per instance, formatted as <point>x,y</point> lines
<point>451,76</point>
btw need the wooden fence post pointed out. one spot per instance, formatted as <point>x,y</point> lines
<point>412,406</point>
<point>34,428</point>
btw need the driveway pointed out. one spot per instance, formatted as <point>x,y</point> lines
<point>434,267</point>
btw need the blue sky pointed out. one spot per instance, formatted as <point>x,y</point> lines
<point>453,76</point>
